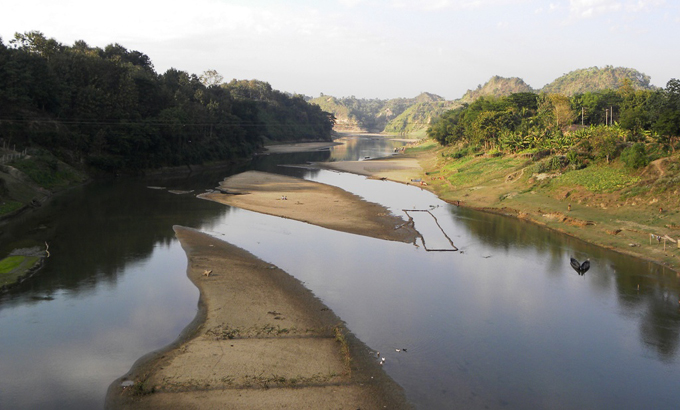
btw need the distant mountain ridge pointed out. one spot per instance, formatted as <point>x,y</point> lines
<point>411,115</point>
<point>374,115</point>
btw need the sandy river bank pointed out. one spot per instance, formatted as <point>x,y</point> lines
<point>260,341</point>
<point>311,202</point>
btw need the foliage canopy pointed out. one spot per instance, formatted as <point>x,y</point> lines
<point>108,109</point>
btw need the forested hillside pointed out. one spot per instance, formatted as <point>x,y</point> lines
<point>375,115</point>
<point>416,118</point>
<point>597,79</point>
<point>413,115</point>
<point>497,87</point>
<point>108,110</point>
<point>284,117</point>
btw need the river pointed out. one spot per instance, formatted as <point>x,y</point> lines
<point>504,322</point>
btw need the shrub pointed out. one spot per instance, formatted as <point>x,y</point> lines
<point>635,156</point>
<point>576,160</point>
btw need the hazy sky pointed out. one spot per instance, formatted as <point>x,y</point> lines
<point>371,48</point>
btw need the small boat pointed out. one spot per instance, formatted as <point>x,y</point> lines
<point>579,267</point>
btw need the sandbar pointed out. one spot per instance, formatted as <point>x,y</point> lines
<point>311,202</point>
<point>399,168</point>
<point>261,340</point>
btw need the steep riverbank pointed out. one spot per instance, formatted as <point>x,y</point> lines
<point>260,341</point>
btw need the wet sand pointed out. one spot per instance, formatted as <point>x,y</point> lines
<point>261,340</point>
<point>311,202</point>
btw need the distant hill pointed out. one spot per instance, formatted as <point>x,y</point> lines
<point>597,79</point>
<point>374,115</point>
<point>418,116</point>
<point>497,87</point>
<point>410,115</point>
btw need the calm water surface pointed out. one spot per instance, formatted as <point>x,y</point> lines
<point>503,323</point>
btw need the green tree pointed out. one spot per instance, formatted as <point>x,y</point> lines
<point>606,141</point>
<point>211,77</point>
<point>668,122</point>
<point>562,112</point>
<point>36,42</point>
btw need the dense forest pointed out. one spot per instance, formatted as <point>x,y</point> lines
<point>108,110</point>
<point>637,124</point>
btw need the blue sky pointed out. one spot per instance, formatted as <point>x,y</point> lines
<point>371,48</point>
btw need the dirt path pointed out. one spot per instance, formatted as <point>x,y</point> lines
<point>261,341</point>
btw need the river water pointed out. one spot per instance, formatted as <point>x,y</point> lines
<point>502,323</point>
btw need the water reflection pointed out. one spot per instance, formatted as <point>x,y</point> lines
<point>506,322</point>
<point>64,352</point>
<point>101,301</point>
<point>364,147</point>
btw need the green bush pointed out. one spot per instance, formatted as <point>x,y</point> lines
<point>576,160</point>
<point>635,156</point>
<point>465,151</point>
<point>557,162</point>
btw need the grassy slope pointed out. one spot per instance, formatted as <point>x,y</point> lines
<point>14,267</point>
<point>610,205</point>
<point>35,177</point>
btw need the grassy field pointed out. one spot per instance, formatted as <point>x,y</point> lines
<point>8,206</point>
<point>14,267</point>
<point>33,178</point>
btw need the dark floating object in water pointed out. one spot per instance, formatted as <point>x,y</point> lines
<point>579,267</point>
